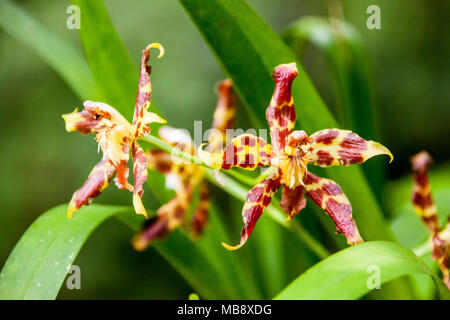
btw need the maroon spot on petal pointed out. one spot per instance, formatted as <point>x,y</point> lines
<point>315,195</point>
<point>310,178</point>
<point>331,189</point>
<point>327,137</point>
<point>349,156</point>
<point>341,213</point>
<point>353,141</point>
<point>262,143</point>
<point>422,201</point>
<point>255,194</point>
<point>266,201</point>
<point>251,142</point>
<point>250,159</point>
<point>324,158</point>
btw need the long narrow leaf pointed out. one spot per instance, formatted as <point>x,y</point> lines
<point>56,51</point>
<point>112,68</point>
<point>38,265</point>
<point>353,272</point>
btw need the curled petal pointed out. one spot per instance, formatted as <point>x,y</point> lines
<point>280,113</point>
<point>257,200</point>
<point>142,118</point>
<point>293,200</point>
<point>224,115</point>
<point>96,182</point>
<point>331,147</point>
<point>245,151</point>
<point>140,176</point>
<point>157,46</point>
<point>421,194</point>
<point>200,216</point>
<point>328,195</point>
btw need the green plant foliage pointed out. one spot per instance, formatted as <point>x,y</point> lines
<point>345,274</point>
<point>38,265</point>
<point>112,68</point>
<point>57,52</point>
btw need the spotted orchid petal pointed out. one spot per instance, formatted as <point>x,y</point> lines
<point>96,182</point>
<point>142,117</point>
<point>293,200</point>
<point>83,121</point>
<point>280,113</point>
<point>140,176</point>
<point>224,115</point>
<point>329,196</point>
<point>257,200</point>
<point>331,147</point>
<point>421,195</point>
<point>426,210</point>
<point>245,151</point>
<point>441,252</point>
<point>159,160</point>
<point>169,217</point>
<point>154,228</point>
<point>200,216</point>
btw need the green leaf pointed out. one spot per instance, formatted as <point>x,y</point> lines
<point>346,274</point>
<point>56,51</point>
<point>38,264</point>
<point>113,69</point>
<point>350,66</point>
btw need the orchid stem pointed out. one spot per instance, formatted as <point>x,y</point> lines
<point>423,249</point>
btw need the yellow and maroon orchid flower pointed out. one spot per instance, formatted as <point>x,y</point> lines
<point>290,153</point>
<point>185,178</point>
<point>115,137</point>
<point>426,210</point>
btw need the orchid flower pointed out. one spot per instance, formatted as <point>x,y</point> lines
<point>115,137</point>
<point>289,155</point>
<point>426,210</point>
<point>185,178</point>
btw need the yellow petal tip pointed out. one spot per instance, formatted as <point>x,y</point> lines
<point>138,206</point>
<point>70,210</point>
<point>157,46</point>
<point>231,248</point>
<point>213,160</point>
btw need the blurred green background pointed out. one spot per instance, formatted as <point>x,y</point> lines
<point>42,165</point>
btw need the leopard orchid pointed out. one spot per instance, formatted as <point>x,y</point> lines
<point>289,155</point>
<point>185,178</point>
<point>426,210</point>
<point>115,137</point>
